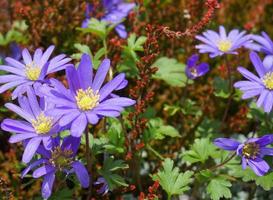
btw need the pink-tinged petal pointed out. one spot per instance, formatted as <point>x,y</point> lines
<point>31,148</point>
<point>19,111</point>
<point>81,173</point>
<point>78,125</point>
<point>68,118</point>
<point>247,74</point>
<point>111,86</point>
<point>48,185</point>
<point>85,70</point>
<point>26,56</point>
<point>41,171</point>
<point>256,61</point>
<point>101,74</point>
<point>32,165</point>
<point>14,63</point>
<point>259,166</point>
<point>227,144</point>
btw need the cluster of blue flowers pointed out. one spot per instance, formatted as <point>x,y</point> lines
<point>217,44</point>
<point>49,108</point>
<point>115,12</point>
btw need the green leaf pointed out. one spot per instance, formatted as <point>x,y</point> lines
<point>108,170</point>
<point>200,151</point>
<point>219,188</point>
<point>171,180</point>
<point>221,87</point>
<point>171,71</point>
<point>266,181</point>
<point>158,131</point>
<point>96,27</point>
<point>115,137</point>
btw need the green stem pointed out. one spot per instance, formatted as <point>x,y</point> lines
<point>169,196</point>
<point>154,152</point>
<point>223,163</point>
<point>88,158</point>
<point>230,83</point>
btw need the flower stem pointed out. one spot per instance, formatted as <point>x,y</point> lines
<point>230,83</point>
<point>223,163</point>
<point>88,159</point>
<point>154,152</point>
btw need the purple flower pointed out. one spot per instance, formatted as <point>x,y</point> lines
<point>14,51</point>
<point>59,158</point>
<point>115,12</point>
<point>252,152</point>
<point>37,126</point>
<point>261,85</point>
<point>265,45</point>
<point>103,186</point>
<point>218,44</point>
<point>194,69</point>
<point>86,100</point>
<point>31,71</point>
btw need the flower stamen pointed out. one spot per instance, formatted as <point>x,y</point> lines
<point>42,124</point>
<point>251,150</point>
<point>61,158</point>
<point>268,80</point>
<point>224,45</point>
<point>32,71</point>
<point>87,99</point>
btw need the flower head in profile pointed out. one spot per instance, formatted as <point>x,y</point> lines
<point>87,99</point>
<point>115,12</point>
<point>252,152</point>
<point>31,70</point>
<point>102,184</point>
<point>263,43</point>
<point>195,69</point>
<point>37,127</point>
<point>218,44</point>
<point>59,158</point>
<point>261,85</point>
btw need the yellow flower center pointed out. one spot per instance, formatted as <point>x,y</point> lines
<point>224,45</point>
<point>251,150</point>
<point>42,124</point>
<point>87,99</point>
<point>268,80</point>
<point>61,158</point>
<point>32,71</point>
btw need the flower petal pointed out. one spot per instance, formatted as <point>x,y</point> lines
<point>226,144</point>
<point>81,173</point>
<point>79,125</point>
<point>31,148</point>
<point>101,74</point>
<point>85,70</point>
<point>48,185</point>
